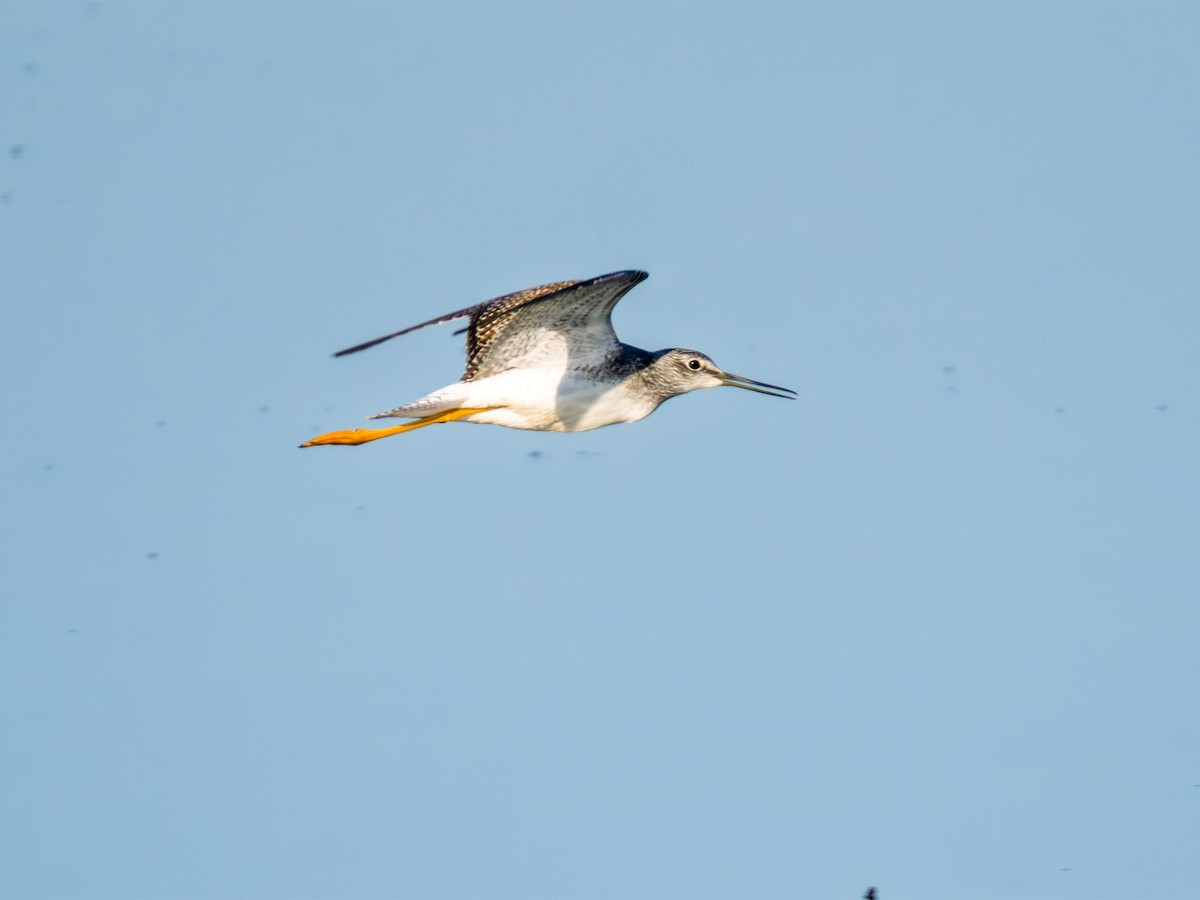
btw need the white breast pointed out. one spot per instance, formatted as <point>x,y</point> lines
<point>553,400</point>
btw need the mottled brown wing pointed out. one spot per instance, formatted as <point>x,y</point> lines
<point>508,300</point>
<point>566,323</point>
<point>505,330</point>
<point>438,321</point>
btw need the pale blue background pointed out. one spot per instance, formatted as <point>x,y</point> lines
<point>931,627</point>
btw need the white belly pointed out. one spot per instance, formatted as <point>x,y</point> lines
<point>548,400</point>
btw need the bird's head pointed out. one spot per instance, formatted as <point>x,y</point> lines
<point>678,371</point>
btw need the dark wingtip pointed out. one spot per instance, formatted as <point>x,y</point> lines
<point>364,346</point>
<point>633,276</point>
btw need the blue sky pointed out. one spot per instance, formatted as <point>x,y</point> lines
<point>931,627</point>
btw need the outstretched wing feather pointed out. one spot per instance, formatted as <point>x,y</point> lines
<point>518,327</point>
<point>504,330</point>
<point>448,317</point>
<point>508,301</point>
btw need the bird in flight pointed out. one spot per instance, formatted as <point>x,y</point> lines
<point>547,359</point>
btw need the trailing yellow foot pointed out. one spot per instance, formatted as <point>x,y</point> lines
<point>356,436</point>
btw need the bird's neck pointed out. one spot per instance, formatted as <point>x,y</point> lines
<point>652,376</point>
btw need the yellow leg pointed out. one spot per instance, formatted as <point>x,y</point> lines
<point>356,436</point>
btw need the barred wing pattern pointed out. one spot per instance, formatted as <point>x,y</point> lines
<point>509,328</point>
<point>578,313</point>
<point>527,295</point>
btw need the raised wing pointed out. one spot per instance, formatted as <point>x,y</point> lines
<point>520,296</point>
<point>564,323</point>
<point>448,317</point>
<point>571,319</point>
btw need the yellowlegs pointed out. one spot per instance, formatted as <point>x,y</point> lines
<point>547,359</point>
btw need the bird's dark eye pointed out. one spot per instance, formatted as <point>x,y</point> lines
<point>694,365</point>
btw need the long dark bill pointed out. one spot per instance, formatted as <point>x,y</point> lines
<point>760,387</point>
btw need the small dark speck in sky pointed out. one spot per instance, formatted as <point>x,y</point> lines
<point>1162,407</point>
<point>152,555</point>
<point>48,467</point>
<point>264,409</point>
<point>6,197</point>
<point>161,423</point>
<point>1060,410</point>
<point>948,370</point>
<point>16,151</point>
<point>30,69</point>
<point>536,454</point>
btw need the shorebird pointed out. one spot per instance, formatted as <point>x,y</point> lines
<point>547,359</point>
